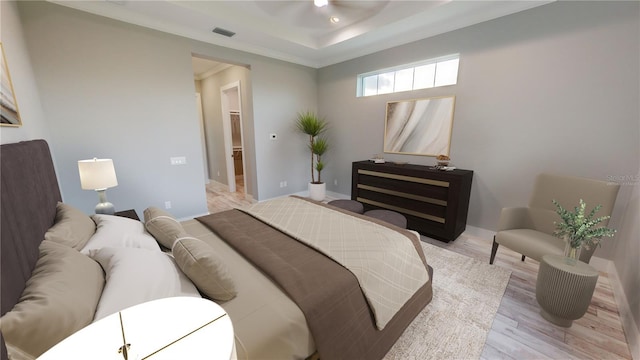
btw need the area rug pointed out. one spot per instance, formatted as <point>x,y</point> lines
<point>466,297</point>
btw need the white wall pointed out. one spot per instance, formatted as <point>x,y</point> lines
<point>278,91</point>
<point>552,89</point>
<point>625,259</point>
<point>24,82</point>
<point>282,97</point>
<point>121,92</point>
<point>116,90</point>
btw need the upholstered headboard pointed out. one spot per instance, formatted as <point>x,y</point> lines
<point>29,192</point>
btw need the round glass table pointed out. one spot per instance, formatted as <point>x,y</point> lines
<point>170,328</point>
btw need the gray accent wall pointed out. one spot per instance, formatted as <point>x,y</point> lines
<point>551,89</point>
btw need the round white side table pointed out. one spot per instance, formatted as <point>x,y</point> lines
<point>564,291</point>
<point>170,328</point>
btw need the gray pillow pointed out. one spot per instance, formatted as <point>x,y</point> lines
<point>60,298</point>
<point>163,226</point>
<point>205,269</point>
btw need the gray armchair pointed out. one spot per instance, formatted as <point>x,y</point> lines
<point>529,230</point>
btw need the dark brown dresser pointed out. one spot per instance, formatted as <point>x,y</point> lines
<point>435,202</point>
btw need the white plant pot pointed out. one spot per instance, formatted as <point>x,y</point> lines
<point>317,191</point>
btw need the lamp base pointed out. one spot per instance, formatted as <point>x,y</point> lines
<point>104,207</point>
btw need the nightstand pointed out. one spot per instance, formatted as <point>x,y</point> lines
<point>131,214</point>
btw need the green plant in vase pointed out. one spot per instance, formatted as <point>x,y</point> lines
<point>579,229</point>
<point>314,127</point>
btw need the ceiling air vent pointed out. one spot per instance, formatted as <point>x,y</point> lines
<point>223,32</point>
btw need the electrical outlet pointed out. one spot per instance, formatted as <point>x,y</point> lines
<point>335,182</point>
<point>218,173</point>
<point>281,184</point>
<point>167,204</point>
<point>285,183</point>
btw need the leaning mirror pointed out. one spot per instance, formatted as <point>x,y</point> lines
<point>419,127</point>
<point>9,116</point>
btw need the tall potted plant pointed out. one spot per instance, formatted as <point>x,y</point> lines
<point>314,127</point>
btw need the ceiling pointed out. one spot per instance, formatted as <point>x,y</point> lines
<point>299,32</point>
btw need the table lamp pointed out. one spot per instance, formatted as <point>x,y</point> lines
<point>99,175</point>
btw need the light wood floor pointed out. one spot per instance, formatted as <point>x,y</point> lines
<point>219,198</point>
<point>518,331</point>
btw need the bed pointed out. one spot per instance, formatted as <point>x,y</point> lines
<point>284,310</point>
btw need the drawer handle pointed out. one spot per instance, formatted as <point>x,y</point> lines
<point>403,194</point>
<point>405,178</point>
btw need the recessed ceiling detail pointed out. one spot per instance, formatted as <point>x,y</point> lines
<point>300,32</point>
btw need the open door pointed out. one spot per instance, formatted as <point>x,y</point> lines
<point>232,128</point>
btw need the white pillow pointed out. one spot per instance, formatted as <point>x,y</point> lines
<point>134,276</point>
<point>117,231</point>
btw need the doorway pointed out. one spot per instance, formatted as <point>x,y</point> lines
<point>228,161</point>
<point>231,104</point>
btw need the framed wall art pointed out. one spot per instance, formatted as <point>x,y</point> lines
<point>419,127</point>
<point>9,113</point>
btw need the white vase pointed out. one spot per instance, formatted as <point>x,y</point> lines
<point>317,191</point>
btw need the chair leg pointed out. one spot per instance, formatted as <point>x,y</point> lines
<point>523,258</point>
<point>494,250</point>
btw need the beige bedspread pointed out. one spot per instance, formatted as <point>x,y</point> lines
<point>385,262</point>
<point>329,295</point>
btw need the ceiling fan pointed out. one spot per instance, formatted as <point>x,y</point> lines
<point>303,14</point>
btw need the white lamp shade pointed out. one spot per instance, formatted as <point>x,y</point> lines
<point>97,174</point>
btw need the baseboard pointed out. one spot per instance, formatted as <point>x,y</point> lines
<point>624,310</point>
<point>626,316</point>
<point>192,217</point>
<point>479,232</point>
<point>335,195</point>
<point>329,194</point>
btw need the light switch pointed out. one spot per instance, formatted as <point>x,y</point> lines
<point>178,160</point>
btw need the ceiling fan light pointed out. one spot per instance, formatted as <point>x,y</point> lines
<point>320,3</point>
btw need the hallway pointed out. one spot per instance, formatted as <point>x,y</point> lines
<point>220,199</point>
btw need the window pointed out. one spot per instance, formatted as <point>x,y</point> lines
<point>422,75</point>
